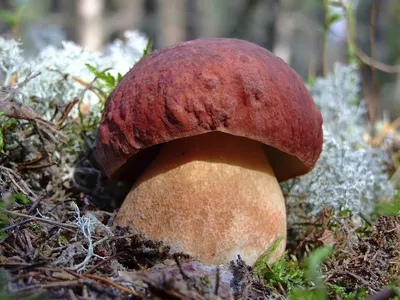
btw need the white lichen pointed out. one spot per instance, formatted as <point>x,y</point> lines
<point>60,70</point>
<point>87,224</point>
<point>124,54</point>
<point>64,76</point>
<point>63,70</point>
<point>11,58</point>
<point>350,173</point>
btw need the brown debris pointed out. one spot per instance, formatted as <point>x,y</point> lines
<point>245,285</point>
<point>372,261</point>
<point>365,256</point>
<point>13,108</point>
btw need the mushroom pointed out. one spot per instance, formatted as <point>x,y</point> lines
<point>205,130</point>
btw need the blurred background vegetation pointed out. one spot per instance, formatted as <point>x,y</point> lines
<point>311,35</point>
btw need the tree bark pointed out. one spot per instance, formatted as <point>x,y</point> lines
<point>171,21</point>
<point>207,18</point>
<point>89,29</point>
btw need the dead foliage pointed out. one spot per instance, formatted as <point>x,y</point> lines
<point>365,254</point>
<point>371,261</point>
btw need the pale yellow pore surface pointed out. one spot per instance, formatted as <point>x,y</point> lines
<point>212,196</point>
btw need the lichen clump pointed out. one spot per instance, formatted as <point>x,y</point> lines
<point>350,173</point>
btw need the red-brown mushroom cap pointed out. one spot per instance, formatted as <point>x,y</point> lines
<point>204,85</point>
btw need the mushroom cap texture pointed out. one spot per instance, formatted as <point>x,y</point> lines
<point>204,85</point>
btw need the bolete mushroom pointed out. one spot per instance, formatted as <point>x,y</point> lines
<point>205,130</point>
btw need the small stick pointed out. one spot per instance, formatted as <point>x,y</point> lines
<point>112,283</point>
<point>45,165</point>
<point>360,53</point>
<point>26,275</point>
<point>27,240</point>
<point>26,187</point>
<point>184,275</point>
<point>107,259</point>
<point>34,161</point>
<point>364,217</point>
<point>28,267</point>
<point>88,86</point>
<point>50,285</point>
<point>67,110</point>
<point>100,241</point>
<point>16,184</point>
<point>21,222</point>
<point>59,224</point>
<point>217,279</point>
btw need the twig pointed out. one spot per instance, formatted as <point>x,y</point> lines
<point>25,275</point>
<point>66,111</point>
<point>281,289</point>
<point>376,64</point>
<point>10,265</point>
<point>88,86</point>
<point>184,275</point>
<point>70,227</point>
<point>34,161</point>
<point>101,241</point>
<point>365,218</point>
<point>28,266</point>
<point>13,108</point>
<point>164,293</point>
<point>16,184</point>
<point>360,53</point>
<point>50,285</point>
<point>93,284</point>
<point>107,259</point>
<point>388,128</point>
<point>24,221</point>
<point>25,190</point>
<point>33,167</point>
<point>357,277</point>
<point>217,279</point>
<point>112,283</point>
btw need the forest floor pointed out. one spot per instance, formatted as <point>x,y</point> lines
<point>58,241</point>
<point>65,247</point>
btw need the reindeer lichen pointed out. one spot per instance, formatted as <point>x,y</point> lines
<point>350,173</point>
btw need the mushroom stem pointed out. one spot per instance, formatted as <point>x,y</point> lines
<point>213,196</point>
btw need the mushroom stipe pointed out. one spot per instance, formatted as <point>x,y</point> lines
<point>212,196</point>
